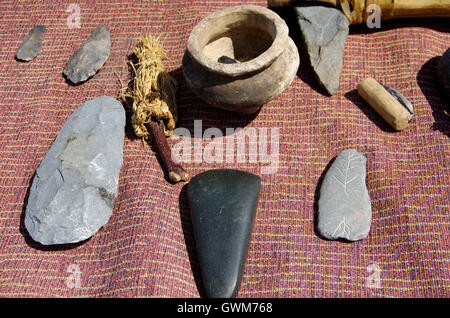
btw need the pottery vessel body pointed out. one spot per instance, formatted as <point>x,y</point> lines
<point>240,58</point>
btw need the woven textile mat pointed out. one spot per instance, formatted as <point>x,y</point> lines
<point>147,247</point>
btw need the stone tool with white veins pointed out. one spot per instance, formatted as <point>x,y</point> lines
<point>345,210</point>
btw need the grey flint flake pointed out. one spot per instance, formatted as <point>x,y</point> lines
<point>324,31</point>
<point>444,71</point>
<point>344,206</point>
<point>73,192</point>
<point>32,44</point>
<point>90,57</point>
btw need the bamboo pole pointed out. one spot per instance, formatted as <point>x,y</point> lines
<point>357,11</point>
<point>281,3</point>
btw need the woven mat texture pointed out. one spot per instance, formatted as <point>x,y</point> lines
<point>147,248</point>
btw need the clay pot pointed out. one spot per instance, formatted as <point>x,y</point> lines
<point>240,58</point>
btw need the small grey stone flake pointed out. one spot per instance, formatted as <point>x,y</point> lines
<point>90,57</point>
<point>32,44</point>
<point>444,71</point>
<point>324,31</point>
<point>344,205</point>
<point>73,192</point>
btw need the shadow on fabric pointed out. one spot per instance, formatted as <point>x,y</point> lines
<point>432,89</point>
<point>354,97</point>
<point>191,108</point>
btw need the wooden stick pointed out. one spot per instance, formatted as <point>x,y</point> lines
<point>384,104</point>
<point>421,8</point>
<point>175,172</point>
<point>281,3</point>
<point>393,9</point>
<point>357,11</point>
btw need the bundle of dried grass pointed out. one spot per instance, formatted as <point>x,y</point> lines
<point>152,95</point>
<point>153,91</point>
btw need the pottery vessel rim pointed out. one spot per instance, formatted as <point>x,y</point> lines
<point>280,38</point>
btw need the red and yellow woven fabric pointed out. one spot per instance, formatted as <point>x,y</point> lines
<point>147,247</point>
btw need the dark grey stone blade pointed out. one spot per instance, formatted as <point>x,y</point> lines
<point>223,206</point>
<point>32,44</point>
<point>324,31</point>
<point>90,57</point>
<point>444,71</point>
<point>73,191</point>
<point>344,206</point>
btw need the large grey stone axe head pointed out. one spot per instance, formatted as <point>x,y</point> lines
<point>325,23</point>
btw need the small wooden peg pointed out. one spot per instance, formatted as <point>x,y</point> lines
<point>398,115</point>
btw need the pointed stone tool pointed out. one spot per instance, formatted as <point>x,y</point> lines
<point>324,31</point>
<point>90,57</point>
<point>223,207</point>
<point>32,44</point>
